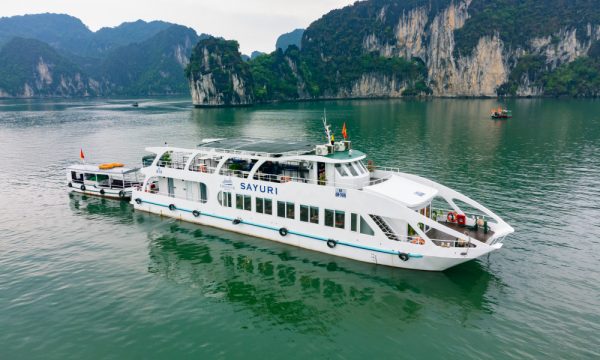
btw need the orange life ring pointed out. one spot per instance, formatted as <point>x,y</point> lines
<point>418,240</point>
<point>451,217</point>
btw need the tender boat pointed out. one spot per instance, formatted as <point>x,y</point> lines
<point>319,197</point>
<point>501,113</point>
<point>110,180</point>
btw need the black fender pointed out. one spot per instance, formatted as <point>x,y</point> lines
<point>196,213</point>
<point>283,231</point>
<point>122,194</point>
<point>138,201</point>
<point>403,256</point>
<point>172,207</point>
<point>331,243</point>
<point>82,187</point>
<point>102,191</point>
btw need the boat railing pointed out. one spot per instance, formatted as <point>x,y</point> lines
<point>443,213</point>
<point>180,165</point>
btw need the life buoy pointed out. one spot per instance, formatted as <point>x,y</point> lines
<point>283,231</point>
<point>172,207</point>
<point>285,179</point>
<point>70,185</point>
<point>403,256</point>
<point>451,217</point>
<point>82,187</point>
<point>331,243</point>
<point>196,213</point>
<point>418,240</point>
<point>102,191</point>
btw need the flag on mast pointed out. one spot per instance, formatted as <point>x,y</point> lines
<point>344,132</point>
<point>81,155</point>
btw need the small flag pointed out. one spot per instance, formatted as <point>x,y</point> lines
<point>344,132</point>
<point>81,155</point>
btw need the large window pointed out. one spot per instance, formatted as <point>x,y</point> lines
<point>243,202</point>
<point>358,223</point>
<point>285,209</point>
<point>264,206</point>
<point>203,193</point>
<point>309,214</point>
<point>335,218</point>
<point>224,198</point>
<point>90,177</point>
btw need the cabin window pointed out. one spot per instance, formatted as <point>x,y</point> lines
<point>365,228</point>
<point>309,214</point>
<point>203,193</point>
<point>264,206</point>
<point>90,177</point>
<point>353,222</point>
<point>224,198</point>
<point>285,209</point>
<point>243,202</point>
<point>352,170</point>
<point>335,218</point>
<point>340,170</point>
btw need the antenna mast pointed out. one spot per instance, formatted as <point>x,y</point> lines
<point>326,126</point>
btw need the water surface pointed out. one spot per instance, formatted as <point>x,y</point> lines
<point>82,277</point>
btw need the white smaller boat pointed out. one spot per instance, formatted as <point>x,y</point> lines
<point>110,180</point>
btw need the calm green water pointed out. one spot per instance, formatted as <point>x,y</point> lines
<point>82,277</point>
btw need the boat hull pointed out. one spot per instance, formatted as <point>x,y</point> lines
<point>419,257</point>
<point>116,194</point>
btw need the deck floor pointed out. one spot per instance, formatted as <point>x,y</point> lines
<point>479,234</point>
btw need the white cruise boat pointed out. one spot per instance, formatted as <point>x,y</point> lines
<point>110,180</point>
<point>319,197</point>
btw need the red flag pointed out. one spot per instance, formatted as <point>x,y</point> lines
<point>344,132</point>
<point>81,155</point>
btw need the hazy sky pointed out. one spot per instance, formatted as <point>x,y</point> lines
<point>256,24</point>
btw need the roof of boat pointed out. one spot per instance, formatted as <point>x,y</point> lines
<point>92,168</point>
<point>268,147</point>
<point>408,192</point>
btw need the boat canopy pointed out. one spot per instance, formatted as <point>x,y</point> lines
<point>410,193</point>
<point>89,168</point>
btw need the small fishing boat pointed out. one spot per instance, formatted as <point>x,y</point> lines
<point>501,113</point>
<point>135,104</point>
<point>109,180</point>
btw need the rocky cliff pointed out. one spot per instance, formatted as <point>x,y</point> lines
<point>217,74</point>
<point>450,48</point>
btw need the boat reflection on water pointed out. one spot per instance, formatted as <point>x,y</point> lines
<point>93,207</point>
<point>308,290</point>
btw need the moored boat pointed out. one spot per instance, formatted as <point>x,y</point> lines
<point>109,180</point>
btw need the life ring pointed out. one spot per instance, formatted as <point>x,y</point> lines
<point>285,179</point>
<point>236,221</point>
<point>196,213</point>
<point>102,191</point>
<point>122,194</point>
<point>172,207</point>
<point>138,201</point>
<point>418,240</point>
<point>283,231</point>
<point>82,187</point>
<point>451,217</point>
<point>403,256</point>
<point>331,243</point>
<point>70,184</point>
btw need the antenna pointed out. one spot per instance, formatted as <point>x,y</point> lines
<point>327,127</point>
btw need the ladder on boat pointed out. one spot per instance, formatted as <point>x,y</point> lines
<point>385,227</point>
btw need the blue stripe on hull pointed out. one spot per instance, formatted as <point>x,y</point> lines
<point>416,256</point>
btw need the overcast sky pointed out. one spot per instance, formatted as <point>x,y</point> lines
<point>256,24</point>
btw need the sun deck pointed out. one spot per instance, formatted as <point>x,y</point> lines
<point>478,234</point>
<point>259,147</point>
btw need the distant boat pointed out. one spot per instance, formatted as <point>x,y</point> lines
<point>135,104</point>
<point>501,113</point>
